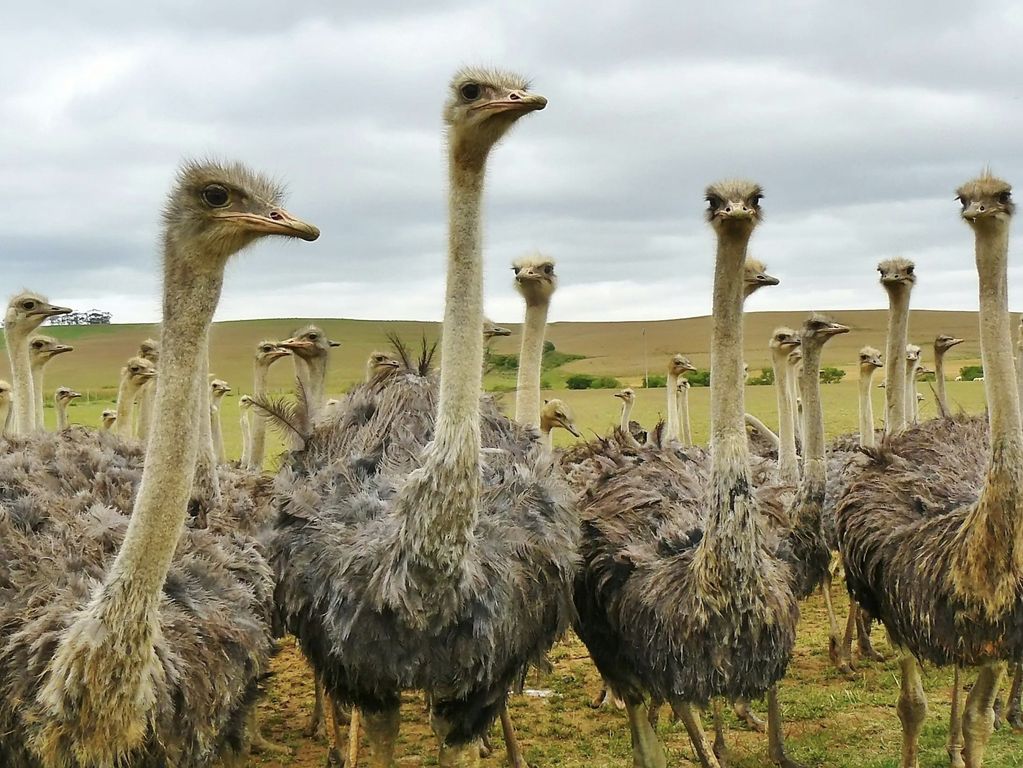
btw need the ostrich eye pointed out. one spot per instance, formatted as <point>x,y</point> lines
<point>470,91</point>
<point>755,200</point>
<point>963,201</point>
<point>216,196</point>
<point>714,202</point>
<point>548,269</point>
<point>1005,198</point>
<point>909,270</point>
<point>313,336</point>
<point>28,304</point>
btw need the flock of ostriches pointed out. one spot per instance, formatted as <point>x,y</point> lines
<point>416,539</point>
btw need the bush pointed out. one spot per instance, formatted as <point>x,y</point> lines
<point>699,378</point>
<point>766,377</point>
<point>831,375</point>
<point>579,381</point>
<point>654,381</point>
<point>926,377</point>
<point>971,372</point>
<point>502,362</point>
<point>555,359</point>
<point>605,382</point>
<point>548,346</point>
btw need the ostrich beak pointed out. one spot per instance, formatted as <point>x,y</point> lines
<point>60,349</point>
<point>619,395</point>
<point>571,428</point>
<point>276,221</point>
<point>292,344</point>
<point>974,211</point>
<point>516,101</point>
<point>278,353</point>
<point>51,310</point>
<point>73,395</point>
<point>765,279</point>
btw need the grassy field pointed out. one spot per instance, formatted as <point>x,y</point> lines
<point>830,720</point>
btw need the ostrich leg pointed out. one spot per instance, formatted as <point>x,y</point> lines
<point>1014,715</point>
<point>850,628</point>
<point>694,727</point>
<point>647,751</point>
<point>834,639</point>
<point>955,724</point>
<point>863,634</point>
<point>775,735</point>
<point>353,738</point>
<point>912,708</point>
<point>314,727</point>
<point>258,743</point>
<point>720,747</point>
<point>382,734</point>
<point>978,716</point>
<point>511,741</point>
<point>742,710</point>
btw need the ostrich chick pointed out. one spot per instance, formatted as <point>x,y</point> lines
<point>556,413</point>
<point>107,419</point>
<point>42,349</point>
<point>379,366</point>
<point>62,399</point>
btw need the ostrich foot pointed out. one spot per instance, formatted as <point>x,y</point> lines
<point>333,759</point>
<point>742,710</point>
<point>775,735</point>
<point>864,643</point>
<point>511,741</point>
<point>258,743</point>
<point>459,755</point>
<point>605,699</point>
<point>486,746</point>
<point>314,726</point>
<point>998,707</point>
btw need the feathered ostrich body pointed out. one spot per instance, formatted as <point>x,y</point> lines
<point>126,639</point>
<point>682,594</point>
<point>406,559</point>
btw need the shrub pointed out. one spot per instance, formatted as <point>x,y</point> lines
<point>605,382</point>
<point>766,377</point>
<point>555,359</point>
<point>579,381</point>
<point>831,375</point>
<point>548,346</point>
<point>926,377</point>
<point>655,381</point>
<point>502,362</point>
<point>699,378</point>
<point>971,372</point>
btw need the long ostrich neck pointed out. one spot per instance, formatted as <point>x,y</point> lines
<point>626,412</point>
<point>911,390</point>
<point>21,375</point>
<point>145,411</point>
<point>989,558</point>
<point>128,600</point>
<point>792,373</point>
<point>316,384</point>
<point>62,405</point>
<point>245,422</point>
<point>440,502</point>
<point>216,431</point>
<point>257,426</point>
<point>866,406</point>
<point>732,526</point>
<point>672,385</point>
<point>207,477</point>
<point>814,475</point>
<point>38,398</point>
<point>125,395</point>
<point>895,364</point>
<point>527,394</point>
<point>788,464</point>
<point>1019,360</point>
<point>682,396</point>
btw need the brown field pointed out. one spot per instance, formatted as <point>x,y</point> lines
<point>830,720</point>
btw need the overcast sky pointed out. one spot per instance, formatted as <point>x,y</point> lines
<point>860,119</point>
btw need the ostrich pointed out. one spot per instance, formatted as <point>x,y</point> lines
<point>184,624</point>
<point>628,398</point>
<point>149,350</point>
<point>783,341</point>
<point>490,330</point>
<point>379,366</point>
<point>536,283</point>
<point>25,313</point>
<point>218,390</point>
<point>942,345</point>
<point>107,419</point>
<point>5,407</point>
<point>755,277</point>
<point>677,366</point>
<point>432,569</point>
<point>310,349</point>
<point>929,537</point>
<point>62,399</point>
<point>136,372</point>
<point>42,349</point>
<point>795,363</point>
<point>681,596</point>
<point>912,366</point>
<point>267,353</point>
<point>245,424</point>
<point>554,414</point>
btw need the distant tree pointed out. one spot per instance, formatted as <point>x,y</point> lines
<point>654,381</point>
<point>766,377</point>
<point>831,375</point>
<point>605,382</point>
<point>579,381</point>
<point>971,372</point>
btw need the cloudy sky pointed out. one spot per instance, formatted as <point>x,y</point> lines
<point>859,119</point>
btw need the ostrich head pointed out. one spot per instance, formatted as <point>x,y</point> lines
<point>784,339</point>
<point>108,417</point>
<point>219,388</point>
<point>150,350</point>
<point>734,205</point>
<point>679,364</point>
<point>268,351</point>
<point>309,343</point>
<point>556,414</point>
<point>139,371</point>
<point>42,349</point>
<point>482,106</point>
<point>380,365</point>
<point>535,279</point>
<point>755,277</point>
<point>870,360</point>
<point>218,209</point>
<point>490,330</point>
<point>818,329</point>
<point>682,385</point>
<point>986,199</point>
<point>244,403</point>
<point>944,343</point>
<point>897,273</point>
<point>28,310</point>
<point>627,395</point>
<point>66,394</point>
<point>912,353</point>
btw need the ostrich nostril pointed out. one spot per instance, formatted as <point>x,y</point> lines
<point>728,209</point>
<point>515,97</point>
<point>276,215</point>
